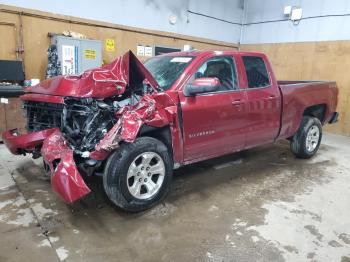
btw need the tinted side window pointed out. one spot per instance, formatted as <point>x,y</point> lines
<point>256,71</point>
<point>221,67</point>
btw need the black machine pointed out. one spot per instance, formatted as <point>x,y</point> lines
<point>159,50</point>
<point>11,78</point>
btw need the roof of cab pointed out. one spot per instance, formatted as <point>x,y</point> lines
<point>197,53</point>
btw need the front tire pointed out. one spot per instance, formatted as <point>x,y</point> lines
<point>138,175</point>
<point>307,140</point>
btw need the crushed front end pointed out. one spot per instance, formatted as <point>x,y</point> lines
<point>74,125</point>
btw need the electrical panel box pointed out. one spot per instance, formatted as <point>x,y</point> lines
<point>77,55</point>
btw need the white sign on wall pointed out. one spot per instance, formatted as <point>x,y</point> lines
<point>148,51</point>
<point>140,50</point>
<point>68,59</point>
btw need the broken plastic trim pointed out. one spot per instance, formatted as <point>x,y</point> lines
<point>65,177</point>
<point>154,110</point>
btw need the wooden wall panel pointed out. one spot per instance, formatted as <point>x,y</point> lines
<point>2,119</point>
<point>11,116</point>
<point>14,115</point>
<point>8,45</point>
<point>314,61</point>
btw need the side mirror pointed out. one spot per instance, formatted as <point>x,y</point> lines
<point>202,85</point>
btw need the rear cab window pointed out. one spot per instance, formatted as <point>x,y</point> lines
<point>257,74</point>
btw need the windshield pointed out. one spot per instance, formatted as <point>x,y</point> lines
<point>166,69</point>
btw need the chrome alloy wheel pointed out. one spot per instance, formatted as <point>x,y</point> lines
<point>312,138</point>
<point>145,175</point>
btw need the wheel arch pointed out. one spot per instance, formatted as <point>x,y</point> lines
<point>318,111</point>
<point>162,134</point>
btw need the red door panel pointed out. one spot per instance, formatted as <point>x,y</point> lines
<point>213,124</point>
<point>264,100</point>
<point>263,115</point>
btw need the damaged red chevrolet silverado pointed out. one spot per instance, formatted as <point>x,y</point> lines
<point>135,123</point>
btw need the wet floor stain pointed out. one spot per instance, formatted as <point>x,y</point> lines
<point>260,204</point>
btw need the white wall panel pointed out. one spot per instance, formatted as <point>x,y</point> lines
<point>315,29</point>
<point>152,14</point>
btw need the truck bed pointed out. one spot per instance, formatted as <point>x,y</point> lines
<point>298,95</point>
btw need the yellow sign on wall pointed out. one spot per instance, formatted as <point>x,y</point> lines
<point>90,54</point>
<point>109,43</point>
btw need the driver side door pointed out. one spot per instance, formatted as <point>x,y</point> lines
<point>213,122</point>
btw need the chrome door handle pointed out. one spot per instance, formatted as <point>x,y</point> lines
<point>236,102</point>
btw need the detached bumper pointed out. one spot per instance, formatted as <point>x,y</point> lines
<point>65,177</point>
<point>17,143</point>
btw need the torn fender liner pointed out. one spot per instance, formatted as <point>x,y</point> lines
<point>155,110</point>
<point>65,177</point>
<point>106,81</point>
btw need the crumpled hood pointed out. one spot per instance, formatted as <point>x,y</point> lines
<point>109,80</point>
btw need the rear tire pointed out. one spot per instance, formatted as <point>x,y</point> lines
<point>138,175</point>
<point>305,143</point>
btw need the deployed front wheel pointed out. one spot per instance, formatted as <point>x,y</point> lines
<point>138,175</point>
<point>307,140</point>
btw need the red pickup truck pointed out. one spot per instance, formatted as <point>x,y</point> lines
<point>134,123</point>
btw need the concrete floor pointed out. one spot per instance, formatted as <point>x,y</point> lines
<point>258,205</point>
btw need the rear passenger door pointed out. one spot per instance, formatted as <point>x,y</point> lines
<point>264,105</point>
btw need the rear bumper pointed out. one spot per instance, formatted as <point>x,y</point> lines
<point>18,144</point>
<point>334,118</point>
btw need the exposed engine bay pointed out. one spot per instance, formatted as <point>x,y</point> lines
<point>82,121</point>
